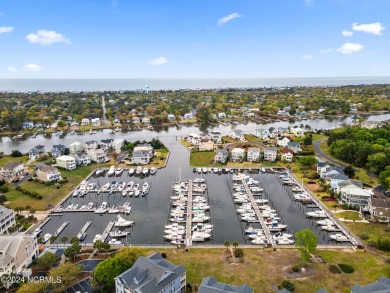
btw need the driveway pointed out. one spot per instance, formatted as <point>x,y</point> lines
<point>321,154</point>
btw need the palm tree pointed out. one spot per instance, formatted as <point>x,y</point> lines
<point>227,244</point>
<point>235,244</point>
<point>64,239</point>
<point>53,238</point>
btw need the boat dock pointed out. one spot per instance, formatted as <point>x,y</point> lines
<point>43,223</point>
<point>85,227</point>
<point>189,215</point>
<point>258,213</point>
<point>61,228</point>
<point>107,230</point>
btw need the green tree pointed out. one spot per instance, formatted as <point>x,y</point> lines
<point>306,242</point>
<point>235,244</point>
<point>66,274</point>
<point>72,251</point>
<point>53,238</point>
<point>34,287</point>
<point>349,171</point>
<point>45,261</point>
<point>227,244</point>
<point>308,161</point>
<point>384,177</point>
<point>16,153</point>
<point>64,239</point>
<point>98,245</point>
<point>308,140</point>
<point>61,123</point>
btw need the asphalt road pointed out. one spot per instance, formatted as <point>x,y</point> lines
<point>321,154</point>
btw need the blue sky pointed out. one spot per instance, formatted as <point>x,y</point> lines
<point>194,38</point>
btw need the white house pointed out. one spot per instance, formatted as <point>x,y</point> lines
<point>253,154</point>
<point>294,146</point>
<point>237,155</point>
<point>106,144</point>
<point>335,179</point>
<point>95,121</point>
<point>48,173</point>
<point>193,138</point>
<point>270,154</point>
<point>36,151</point>
<point>261,133</point>
<point>298,131</point>
<point>82,159</point>
<point>136,120</point>
<point>273,132</point>
<point>145,120</point>
<point>286,154</point>
<point>221,156</point>
<point>216,136</point>
<point>171,117</point>
<point>84,122</point>
<point>354,196</point>
<point>206,144</point>
<point>118,144</point>
<point>7,220</point>
<point>66,162</point>
<point>97,156</point>
<point>11,171</point>
<point>221,115</point>
<point>28,125</point>
<point>238,134</point>
<point>75,147</point>
<point>188,116</point>
<point>282,141</point>
<point>91,145</point>
<point>142,154</point>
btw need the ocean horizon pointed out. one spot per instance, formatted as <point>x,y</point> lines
<point>155,84</point>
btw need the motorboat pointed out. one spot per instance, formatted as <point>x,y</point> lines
<point>100,211</point>
<point>105,187</point>
<point>138,170</point>
<point>83,207</point>
<point>118,234</point>
<point>97,237</point>
<point>136,187</point>
<point>131,171</point>
<point>280,235</point>
<point>284,241</point>
<point>121,186</point>
<point>114,242</point>
<point>316,214</point>
<point>111,171</point>
<point>91,186</point>
<point>251,230</point>
<point>330,228</point>
<point>118,171</point>
<point>90,205</point>
<point>145,187</point>
<point>76,193</point>
<point>205,170</point>
<point>113,210</point>
<point>99,171</point>
<point>145,171</point>
<point>137,193</point>
<point>339,237</point>
<point>114,185</point>
<point>129,185</point>
<point>153,170</point>
<point>124,192</point>
<point>75,206</point>
<point>276,227</point>
<point>261,201</point>
<point>123,222</point>
<point>200,236</point>
<point>199,170</point>
<point>325,222</point>
<point>127,211</point>
<point>46,237</point>
<point>260,241</point>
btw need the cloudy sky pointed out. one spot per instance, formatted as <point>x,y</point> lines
<point>194,38</point>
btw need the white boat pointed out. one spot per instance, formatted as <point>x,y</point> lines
<point>131,171</point>
<point>325,222</point>
<point>111,171</point>
<point>127,210</point>
<point>145,187</point>
<point>137,193</point>
<point>145,171</point>
<point>91,186</point>
<point>97,237</point>
<point>259,241</point>
<point>123,222</point>
<point>204,170</point>
<point>330,228</point>
<point>281,235</point>
<point>252,230</point>
<point>121,186</point>
<point>316,214</point>
<point>124,192</point>
<point>153,170</point>
<point>118,171</point>
<point>83,207</point>
<point>114,242</point>
<point>46,237</point>
<point>276,227</point>
<point>261,201</point>
<point>138,170</point>
<point>284,241</point>
<point>262,170</point>
<point>126,205</point>
<point>200,236</point>
<point>99,171</point>
<point>199,170</point>
<point>118,234</point>
<point>90,205</point>
<point>76,193</point>
<point>339,237</point>
<point>129,185</point>
<point>100,211</point>
<point>105,187</point>
<point>75,206</point>
<point>113,210</point>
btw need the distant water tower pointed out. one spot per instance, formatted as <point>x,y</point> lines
<point>147,89</point>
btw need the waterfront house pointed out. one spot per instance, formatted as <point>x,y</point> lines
<point>95,122</point>
<point>152,274</point>
<point>221,115</point>
<point>270,154</point>
<point>283,130</point>
<point>145,120</point>
<point>48,173</point>
<point>322,167</point>
<point>36,151</point>
<point>7,220</point>
<point>237,155</point>
<point>97,156</point>
<point>11,171</point>
<point>28,125</point>
<point>117,145</point>
<point>261,133</point>
<point>17,252</point>
<point>58,150</point>
<point>354,196</point>
<point>66,162</point>
<point>142,154</point>
<point>282,141</point>
<point>171,117</point>
<point>238,134</point>
<point>379,210</point>
<point>286,154</point>
<point>188,116</point>
<point>85,122</point>
<point>91,145</point>
<point>136,120</point>
<point>193,138</point>
<point>82,159</point>
<point>253,154</point>
<point>382,285</point>
<point>334,179</point>
<point>76,147</point>
<point>294,146</point>
<point>297,131</point>
<point>216,136</point>
<point>106,144</point>
<point>211,285</point>
<point>221,156</point>
<point>206,144</point>
<point>273,132</point>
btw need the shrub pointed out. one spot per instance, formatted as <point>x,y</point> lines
<point>383,244</point>
<point>4,189</point>
<point>295,269</point>
<point>47,183</point>
<point>346,268</point>
<point>324,197</point>
<point>334,269</point>
<point>164,255</point>
<point>238,252</point>
<point>288,285</point>
<point>188,288</point>
<point>371,243</point>
<point>364,236</point>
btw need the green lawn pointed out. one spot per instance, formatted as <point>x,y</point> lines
<point>201,159</point>
<point>228,139</point>
<point>252,138</point>
<point>349,215</point>
<point>4,160</point>
<point>185,143</point>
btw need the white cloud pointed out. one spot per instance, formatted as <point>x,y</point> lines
<point>326,51</point>
<point>6,29</point>
<point>228,18</point>
<point>32,67</point>
<point>44,37</point>
<point>347,33</point>
<point>11,69</point>
<point>307,57</point>
<point>373,28</point>
<point>349,48</point>
<point>309,2</point>
<point>159,61</point>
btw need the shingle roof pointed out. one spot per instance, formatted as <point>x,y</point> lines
<point>211,285</point>
<point>12,165</point>
<point>380,203</point>
<point>382,285</point>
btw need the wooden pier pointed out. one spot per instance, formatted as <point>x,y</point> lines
<point>85,227</point>
<point>107,231</point>
<point>258,213</point>
<point>60,229</point>
<point>189,215</point>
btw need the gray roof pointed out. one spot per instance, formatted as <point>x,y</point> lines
<point>321,291</point>
<point>349,182</point>
<point>339,177</point>
<point>59,147</point>
<point>271,149</point>
<point>223,151</point>
<point>12,165</point>
<point>141,153</point>
<point>382,285</point>
<point>284,290</point>
<point>4,212</point>
<point>107,140</point>
<point>380,203</point>
<point>39,147</point>
<point>47,169</point>
<point>253,149</point>
<point>294,144</point>
<point>322,164</point>
<point>211,285</point>
<point>150,274</point>
<point>238,131</point>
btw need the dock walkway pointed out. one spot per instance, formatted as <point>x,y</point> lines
<point>85,227</point>
<point>189,215</point>
<point>258,213</point>
<point>107,230</point>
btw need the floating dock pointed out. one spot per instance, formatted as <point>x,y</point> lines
<point>189,215</point>
<point>107,231</point>
<point>60,229</point>
<point>85,227</point>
